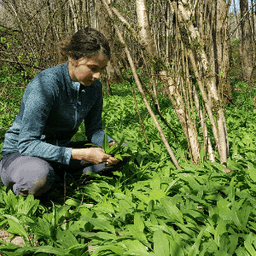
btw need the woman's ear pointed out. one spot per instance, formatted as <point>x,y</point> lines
<point>72,61</point>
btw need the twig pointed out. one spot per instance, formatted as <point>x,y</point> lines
<point>3,89</point>
<point>3,104</point>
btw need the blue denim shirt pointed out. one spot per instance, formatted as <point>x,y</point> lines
<point>52,108</point>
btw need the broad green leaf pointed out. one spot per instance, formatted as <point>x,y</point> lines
<point>104,207</point>
<point>16,228</point>
<point>66,238</point>
<point>153,219</point>
<point>224,212</point>
<point>101,224</point>
<point>78,225</point>
<point>175,249</point>
<point>231,194</point>
<point>114,248</point>
<point>138,222</point>
<point>248,246</point>
<point>73,202</point>
<point>171,210</point>
<point>161,243</point>
<point>221,228</point>
<point>42,228</point>
<point>233,243</point>
<point>191,181</point>
<point>222,253</point>
<point>157,194</point>
<point>252,171</point>
<point>235,215</point>
<point>155,182</point>
<point>136,233</point>
<point>219,166</point>
<point>97,235</point>
<point>53,250</point>
<point>135,247</point>
<point>241,251</point>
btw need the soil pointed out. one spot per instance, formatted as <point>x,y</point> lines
<point>4,235</point>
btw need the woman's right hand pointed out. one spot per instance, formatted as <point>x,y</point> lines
<point>93,155</point>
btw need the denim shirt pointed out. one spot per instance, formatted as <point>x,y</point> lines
<point>52,108</point>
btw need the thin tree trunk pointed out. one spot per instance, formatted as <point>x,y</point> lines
<point>141,90</point>
<point>247,51</point>
<point>74,13</point>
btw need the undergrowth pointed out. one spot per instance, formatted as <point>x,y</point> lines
<point>148,207</point>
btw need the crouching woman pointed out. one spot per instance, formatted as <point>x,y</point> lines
<point>37,146</point>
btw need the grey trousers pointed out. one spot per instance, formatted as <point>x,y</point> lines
<point>32,175</point>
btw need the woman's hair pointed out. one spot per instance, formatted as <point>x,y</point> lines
<point>84,43</point>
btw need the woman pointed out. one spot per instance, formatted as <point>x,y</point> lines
<point>54,104</point>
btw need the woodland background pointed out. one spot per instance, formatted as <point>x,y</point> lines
<point>181,78</point>
<point>183,47</point>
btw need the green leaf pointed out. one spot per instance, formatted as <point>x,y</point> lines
<point>248,246</point>
<point>101,224</point>
<point>66,238</point>
<point>171,210</point>
<point>53,250</point>
<point>252,172</point>
<point>136,233</point>
<point>114,248</point>
<point>224,212</point>
<point>104,207</point>
<point>161,244</point>
<point>105,144</point>
<point>135,247</point>
<point>42,228</point>
<point>73,202</point>
<point>138,223</point>
<point>16,228</point>
<point>35,64</point>
<point>118,156</point>
<point>221,228</point>
<point>98,235</point>
<point>175,249</point>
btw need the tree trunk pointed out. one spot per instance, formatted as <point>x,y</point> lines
<point>212,99</point>
<point>247,49</point>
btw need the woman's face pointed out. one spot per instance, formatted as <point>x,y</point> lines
<point>87,70</point>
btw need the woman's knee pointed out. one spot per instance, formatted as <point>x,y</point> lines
<point>33,176</point>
